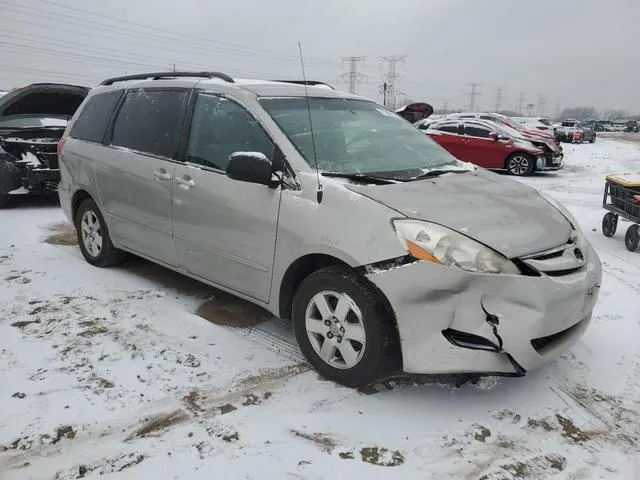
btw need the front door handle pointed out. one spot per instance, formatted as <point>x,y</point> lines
<point>185,182</point>
<point>161,174</point>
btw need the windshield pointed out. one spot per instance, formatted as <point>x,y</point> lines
<point>356,137</point>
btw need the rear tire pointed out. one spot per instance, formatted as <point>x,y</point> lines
<point>93,236</point>
<point>324,331</point>
<point>632,238</point>
<point>609,224</point>
<point>520,164</point>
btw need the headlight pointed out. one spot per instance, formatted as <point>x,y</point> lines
<point>437,244</point>
<point>563,210</point>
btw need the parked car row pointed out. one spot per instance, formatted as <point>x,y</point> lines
<point>444,267</point>
<point>495,141</point>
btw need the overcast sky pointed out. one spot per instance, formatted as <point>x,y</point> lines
<point>574,52</point>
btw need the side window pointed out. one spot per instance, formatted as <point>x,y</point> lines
<point>94,117</point>
<point>221,127</point>
<point>149,121</point>
<point>448,127</point>
<point>473,130</point>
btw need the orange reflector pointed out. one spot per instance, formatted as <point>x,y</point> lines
<point>416,251</point>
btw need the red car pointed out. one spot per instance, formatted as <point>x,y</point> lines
<point>485,144</point>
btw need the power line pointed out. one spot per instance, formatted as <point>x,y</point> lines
<point>165,34</point>
<point>353,77</point>
<point>391,78</point>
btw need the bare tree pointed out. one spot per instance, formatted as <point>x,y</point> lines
<point>579,113</point>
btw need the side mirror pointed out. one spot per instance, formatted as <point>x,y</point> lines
<point>494,135</point>
<point>251,167</point>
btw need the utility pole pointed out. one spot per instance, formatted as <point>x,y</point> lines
<point>472,96</point>
<point>352,77</point>
<point>499,91</point>
<point>174,68</point>
<point>542,99</point>
<point>445,104</point>
<point>383,90</point>
<point>391,78</point>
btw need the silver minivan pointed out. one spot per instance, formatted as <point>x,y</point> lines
<point>385,251</point>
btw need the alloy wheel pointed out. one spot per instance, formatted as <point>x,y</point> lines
<point>335,329</point>
<point>91,233</point>
<point>519,165</point>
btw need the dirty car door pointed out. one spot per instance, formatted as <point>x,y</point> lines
<point>134,174</point>
<point>225,230</point>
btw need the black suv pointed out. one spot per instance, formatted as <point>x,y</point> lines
<point>32,120</point>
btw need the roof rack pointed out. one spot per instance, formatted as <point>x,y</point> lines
<point>309,83</point>
<point>160,75</point>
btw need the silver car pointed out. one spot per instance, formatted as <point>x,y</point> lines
<point>385,251</point>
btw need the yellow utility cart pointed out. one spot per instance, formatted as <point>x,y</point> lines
<point>622,199</point>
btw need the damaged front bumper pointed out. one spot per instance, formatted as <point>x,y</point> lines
<point>454,321</point>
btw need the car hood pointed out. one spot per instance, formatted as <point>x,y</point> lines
<point>501,213</point>
<point>42,99</point>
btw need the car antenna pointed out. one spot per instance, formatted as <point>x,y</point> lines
<point>313,140</point>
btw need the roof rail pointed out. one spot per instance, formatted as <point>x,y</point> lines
<point>160,75</point>
<point>310,83</point>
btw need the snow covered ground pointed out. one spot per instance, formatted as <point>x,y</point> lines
<point>136,372</point>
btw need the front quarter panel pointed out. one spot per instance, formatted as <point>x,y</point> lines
<point>345,225</point>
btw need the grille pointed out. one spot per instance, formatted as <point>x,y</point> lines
<point>563,260</point>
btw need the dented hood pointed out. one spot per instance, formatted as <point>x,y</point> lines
<point>499,212</point>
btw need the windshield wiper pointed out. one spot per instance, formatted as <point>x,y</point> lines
<point>436,172</point>
<point>359,177</point>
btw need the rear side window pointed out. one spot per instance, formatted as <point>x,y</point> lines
<point>476,131</point>
<point>94,117</point>
<point>449,127</point>
<point>149,121</point>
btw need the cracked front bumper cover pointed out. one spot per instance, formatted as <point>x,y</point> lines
<point>530,321</point>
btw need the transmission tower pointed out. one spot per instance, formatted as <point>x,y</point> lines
<point>352,77</point>
<point>445,104</point>
<point>472,96</point>
<point>390,79</point>
<point>499,91</point>
<point>521,103</point>
<point>542,100</point>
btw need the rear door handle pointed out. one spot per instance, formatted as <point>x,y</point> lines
<point>161,174</point>
<point>185,182</point>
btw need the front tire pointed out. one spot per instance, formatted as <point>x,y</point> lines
<point>520,164</point>
<point>609,224</point>
<point>632,238</point>
<point>341,327</point>
<point>93,236</point>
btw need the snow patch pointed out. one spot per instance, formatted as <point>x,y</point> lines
<point>29,158</point>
